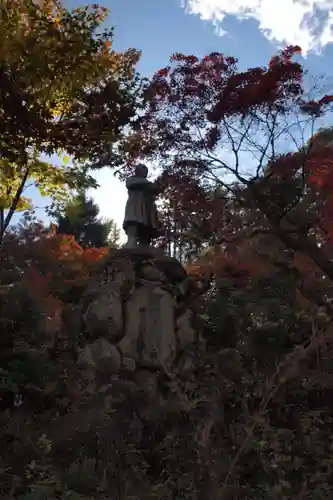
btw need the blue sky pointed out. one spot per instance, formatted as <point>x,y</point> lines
<point>251,30</point>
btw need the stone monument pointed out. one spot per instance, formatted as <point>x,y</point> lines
<point>135,315</point>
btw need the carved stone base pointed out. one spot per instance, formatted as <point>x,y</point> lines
<point>134,312</point>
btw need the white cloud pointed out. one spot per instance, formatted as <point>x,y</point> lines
<point>307,23</point>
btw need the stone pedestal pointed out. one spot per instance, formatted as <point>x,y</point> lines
<point>134,312</point>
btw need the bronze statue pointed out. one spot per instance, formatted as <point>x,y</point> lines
<point>141,222</point>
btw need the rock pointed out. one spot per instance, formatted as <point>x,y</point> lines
<point>148,381</point>
<point>117,277</point>
<point>141,255</point>
<point>137,302</point>
<point>149,335</point>
<point>135,254</point>
<point>120,276</point>
<point>128,364</point>
<point>152,273</point>
<point>72,317</point>
<point>185,332</point>
<point>185,364</point>
<point>171,268</point>
<point>104,317</point>
<point>100,355</point>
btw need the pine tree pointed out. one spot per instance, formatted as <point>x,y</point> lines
<point>81,218</point>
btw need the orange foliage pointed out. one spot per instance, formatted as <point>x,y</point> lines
<point>50,265</point>
<point>215,262</point>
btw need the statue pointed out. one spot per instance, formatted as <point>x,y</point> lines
<point>141,222</point>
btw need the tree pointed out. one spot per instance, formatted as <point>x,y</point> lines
<point>31,249</point>
<point>80,219</point>
<point>191,214</point>
<point>252,419</point>
<point>232,129</point>
<point>63,90</point>
<point>256,135</point>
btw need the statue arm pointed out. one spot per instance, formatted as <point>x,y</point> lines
<point>143,184</point>
<point>135,181</point>
<point>155,188</point>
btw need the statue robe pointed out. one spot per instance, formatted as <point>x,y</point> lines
<point>140,207</point>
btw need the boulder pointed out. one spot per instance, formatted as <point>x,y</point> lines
<point>104,317</point>
<point>100,355</point>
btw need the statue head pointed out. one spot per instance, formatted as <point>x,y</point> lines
<point>141,170</point>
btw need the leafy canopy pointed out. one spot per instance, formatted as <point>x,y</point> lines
<point>63,85</point>
<point>64,90</point>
